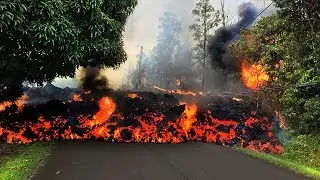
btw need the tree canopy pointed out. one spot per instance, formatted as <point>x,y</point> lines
<point>43,39</point>
<point>288,44</point>
<point>167,43</point>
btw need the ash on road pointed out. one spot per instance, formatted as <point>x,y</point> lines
<point>74,160</point>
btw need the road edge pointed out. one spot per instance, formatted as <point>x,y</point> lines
<point>278,161</point>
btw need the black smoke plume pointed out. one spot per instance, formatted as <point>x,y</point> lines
<point>218,44</point>
<point>93,80</point>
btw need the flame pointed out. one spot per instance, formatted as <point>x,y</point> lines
<point>19,103</point>
<point>107,108</point>
<point>4,105</point>
<point>236,99</point>
<point>77,97</point>
<point>178,82</point>
<point>178,91</point>
<point>254,76</point>
<point>153,127</point>
<point>189,117</point>
<point>132,95</point>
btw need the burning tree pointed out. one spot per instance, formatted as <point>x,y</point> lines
<point>287,44</point>
<point>45,39</point>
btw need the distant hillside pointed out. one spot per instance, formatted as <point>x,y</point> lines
<point>50,92</point>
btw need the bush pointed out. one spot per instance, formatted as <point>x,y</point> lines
<point>304,149</point>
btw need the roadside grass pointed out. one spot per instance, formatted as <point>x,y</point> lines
<point>18,162</point>
<point>302,155</point>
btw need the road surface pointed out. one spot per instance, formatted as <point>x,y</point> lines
<point>73,160</point>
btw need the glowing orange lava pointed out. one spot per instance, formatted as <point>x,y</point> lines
<point>4,105</point>
<point>132,95</point>
<point>253,75</point>
<point>19,103</point>
<point>107,108</point>
<point>189,117</point>
<point>77,97</point>
<point>178,91</point>
<point>149,127</point>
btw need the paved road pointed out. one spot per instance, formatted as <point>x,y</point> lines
<point>190,161</point>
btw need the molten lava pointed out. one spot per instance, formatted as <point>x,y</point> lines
<point>19,103</point>
<point>253,75</point>
<point>77,97</point>
<point>189,117</point>
<point>150,118</point>
<point>132,95</point>
<point>178,91</point>
<point>107,108</point>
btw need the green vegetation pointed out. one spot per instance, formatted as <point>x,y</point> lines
<point>18,162</point>
<point>288,45</point>
<point>302,155</point>
<point>43,39</point>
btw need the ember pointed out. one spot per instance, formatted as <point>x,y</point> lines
<point>151,118</point>
<point>253,76</point>
<point>132,95</point>
<point>77,97</point>
<point>178,82</point>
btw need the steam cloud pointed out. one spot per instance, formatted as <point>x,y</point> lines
<point>218,44</point>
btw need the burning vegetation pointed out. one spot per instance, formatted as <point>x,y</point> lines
<point>253,75</point>
<point>142,117</point>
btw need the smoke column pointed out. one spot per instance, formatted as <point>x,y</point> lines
<point>218,44</point>
<point>92,79</point>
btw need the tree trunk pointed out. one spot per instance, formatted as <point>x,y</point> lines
<point>223,14</point>
<point>139,69</point>
<point>204,49</point>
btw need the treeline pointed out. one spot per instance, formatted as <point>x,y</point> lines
<point>174,61</point>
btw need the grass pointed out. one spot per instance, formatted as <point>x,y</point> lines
<point>18,162</point>
<point>302,155</point>
<point>285,163</point>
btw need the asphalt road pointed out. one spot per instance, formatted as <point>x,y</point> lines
<point>73,160</point>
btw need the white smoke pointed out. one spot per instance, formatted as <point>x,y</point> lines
<point>142,29</point>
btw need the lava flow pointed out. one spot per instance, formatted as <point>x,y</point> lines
<point>178,91</point>
<point>142,117</point>
<point>253,75</point>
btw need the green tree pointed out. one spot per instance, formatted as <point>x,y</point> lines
<point>206,17</point>
<point>288,43</point>
<point>43,39</point>
<point>167,42</point>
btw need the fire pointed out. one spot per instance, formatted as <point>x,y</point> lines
<point>236,99</point>
<point>178,91</point>
<point>19,103</point>
<point>189,117</point>
<point>132,95</point>
<point>5,104</point>
<point>178,82</point>
<point>77,97</point>
<point>148,124</point>
<point>107,108</point>
<point>254,76</point>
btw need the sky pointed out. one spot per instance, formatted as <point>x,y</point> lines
<point>142,30</point>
